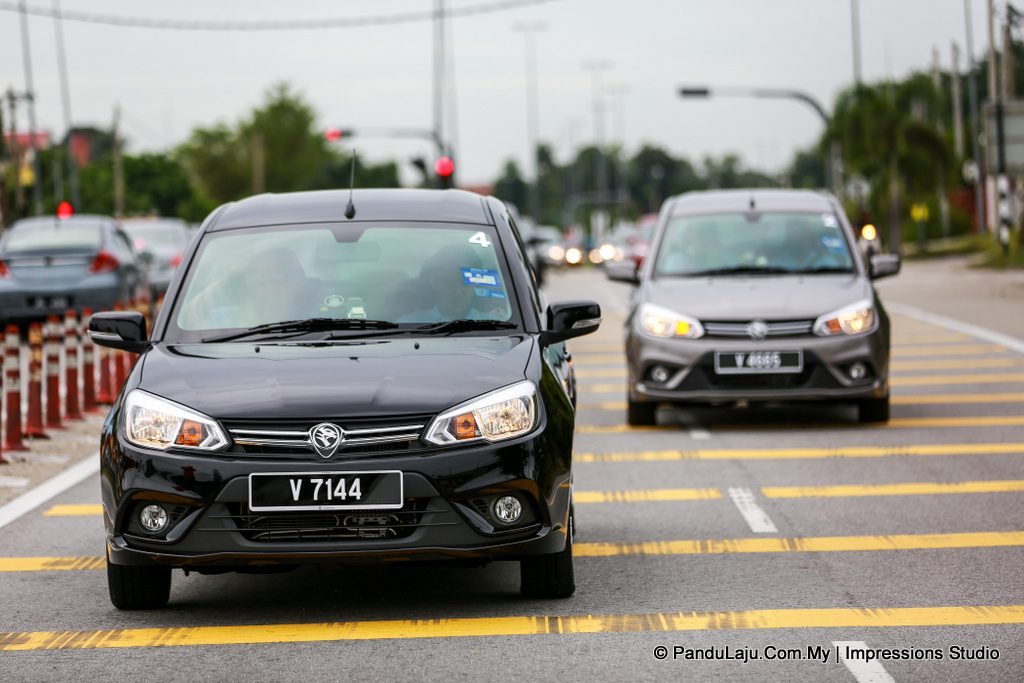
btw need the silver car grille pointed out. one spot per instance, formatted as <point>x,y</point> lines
<point>299,438</point>
<point>787,328</point>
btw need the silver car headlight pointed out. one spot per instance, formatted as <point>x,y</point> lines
<point>502,414</point>
<point>153,422</point>
<point>656,321</point>
<point>853,319</point>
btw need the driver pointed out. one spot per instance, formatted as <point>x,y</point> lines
<point>452,296</point>
<point>695,248</point>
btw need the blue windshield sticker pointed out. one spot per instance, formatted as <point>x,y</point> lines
<point>832,242</point>
<point>829,221</point>
<point>479,277</point>
<point>489,293</point>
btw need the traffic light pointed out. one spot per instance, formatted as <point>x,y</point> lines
<point>445,168</point>
<point>334,134</point>
<point>65,210</point>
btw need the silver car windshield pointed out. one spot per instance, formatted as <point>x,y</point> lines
<point>750,243</point>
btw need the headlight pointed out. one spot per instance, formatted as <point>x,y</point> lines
<point>573,256</point>
<point>154,422</point>
<point>499,415</point>
<point>661,322</point>
<point>556,253</point>
<point>853,319</point>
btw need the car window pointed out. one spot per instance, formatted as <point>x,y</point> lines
<point>796,242</point>
<point>524,263</point>
<point>159,234</point>
<point>54,235</point>
<point>406,274</point>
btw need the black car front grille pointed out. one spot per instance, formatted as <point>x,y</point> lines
<point>340,525</point>
<point>365,436</point>
<point>774,328</point>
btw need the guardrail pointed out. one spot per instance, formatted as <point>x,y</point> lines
<point>80,377</point>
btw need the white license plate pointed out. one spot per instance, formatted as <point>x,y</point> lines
<point>758,362</point>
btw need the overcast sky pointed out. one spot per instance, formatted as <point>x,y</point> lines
<point>170,81</point>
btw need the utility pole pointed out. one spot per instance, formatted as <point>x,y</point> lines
<point>257,155</point>
<point>855,31</point>
<point>439,71</point>
<point>118,165</point>
<point>19,189</point>
<point>65,100</point>
<point>30,95</point>
<point>596,69</point>
<point>940,172</point>
<point>5,157</point>
<point>958,108</point>
<point>529,31</point>
<point>972,98</point>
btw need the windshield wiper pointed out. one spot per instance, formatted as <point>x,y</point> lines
<point>465,324</point>
<point>821,269</point>
<point>304,326</point>
<point>739,270</point>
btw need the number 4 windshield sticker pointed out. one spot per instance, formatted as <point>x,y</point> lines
<point>481,239</point>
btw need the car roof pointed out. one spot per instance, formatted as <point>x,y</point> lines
<point>450,206</point>
<point>714,201</point>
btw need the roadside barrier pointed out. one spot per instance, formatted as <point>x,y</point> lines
<point>34,419</point>
<point>12,389</point>
<point>89,402</point>
<point>52,346</point>
<point>73,409</point>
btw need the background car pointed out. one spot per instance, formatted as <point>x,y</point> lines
<point>757,295</point>
<point>161,242</point>
<point>48,265</point>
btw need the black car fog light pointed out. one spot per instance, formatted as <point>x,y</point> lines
<point>857,371</point>
<point>508,509</point>
<point>659,374</point>
<point>154,518</point>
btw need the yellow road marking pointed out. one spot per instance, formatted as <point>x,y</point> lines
<point>907,489</point>
<point>585,389</point>
<point>947,350</point>
<point>587,358</point>
<point>38,564</point>
<point>645,496</point>
<point>928,399</point>
<point>664,622</point>
<point>931,380</point>
<point>902,400</point>
<point>927,338</point>
<point>895,423</point>
<point>957,364</point>
<point>939,449</point>
<point>73,510</point>
<point>819,544</point>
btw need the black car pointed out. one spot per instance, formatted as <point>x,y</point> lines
<point>336,383</point>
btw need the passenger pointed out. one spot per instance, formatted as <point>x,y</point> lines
<point>452,296</point>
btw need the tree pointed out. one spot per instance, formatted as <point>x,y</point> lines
<point>511,187</point>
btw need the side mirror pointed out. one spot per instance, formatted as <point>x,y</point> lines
<point>884,265</point>
<point>623,271</point>
<point>124,330</point>
<point>570,319</point>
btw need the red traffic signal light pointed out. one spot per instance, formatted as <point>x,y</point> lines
<point>444,167</point>
<point>333,134</point>
<point>65,210</point>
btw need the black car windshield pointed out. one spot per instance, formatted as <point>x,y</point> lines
<point>752,243</point>
<point>411,275</point>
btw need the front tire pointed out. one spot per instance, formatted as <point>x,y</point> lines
<point>549,576</point>
<point>873,410</point>
<point>132,587</point>
<point>641,414</point>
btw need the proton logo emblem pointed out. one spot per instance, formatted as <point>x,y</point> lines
<point>757,330</point>
<point>326,438</point>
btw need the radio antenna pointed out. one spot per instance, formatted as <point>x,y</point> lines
<point>350,210</point>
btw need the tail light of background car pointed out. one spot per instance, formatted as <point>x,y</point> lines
<point>175,261</point>
<point>105,262</point>
<point>4,270</point>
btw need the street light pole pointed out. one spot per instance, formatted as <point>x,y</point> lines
<point>30,95</point>
<point>705,92</point>
<point>596,69</point>
<point>855,30</point>
<point>972,94</point>
<point>65,99</point>
<point>529,31</point>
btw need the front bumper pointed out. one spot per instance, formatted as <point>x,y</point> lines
<point>443,518</point>
<point>825,374</point>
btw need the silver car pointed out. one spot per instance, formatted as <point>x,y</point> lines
<point>757,295</point>
<point>48,265</point>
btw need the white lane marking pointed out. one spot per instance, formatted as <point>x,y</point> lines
<point>959,326</point>
<point>30,500</point>
<point>864,671</point>
<point>758,519</point>
<point>13,482</point>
